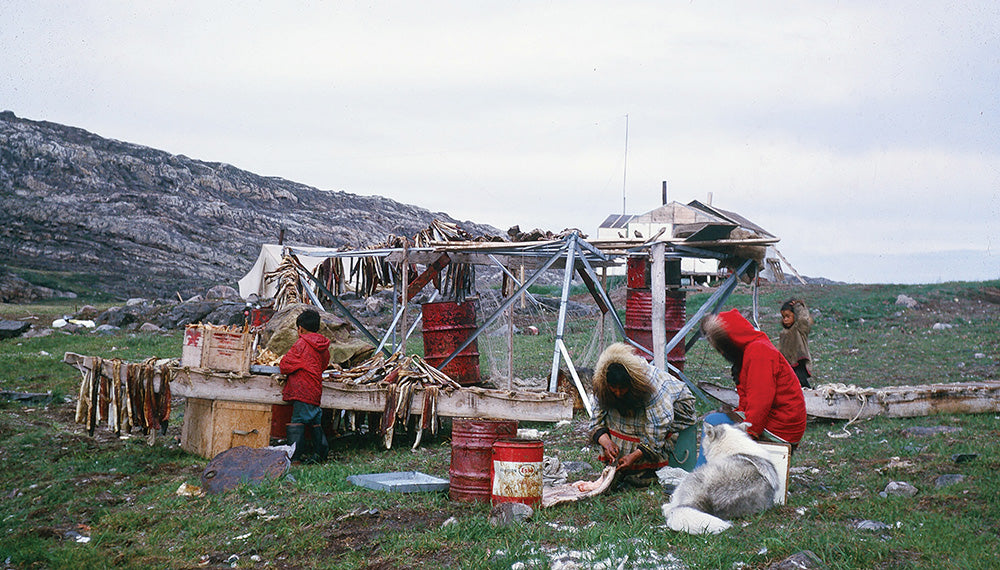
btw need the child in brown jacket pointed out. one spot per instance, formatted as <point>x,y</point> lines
<point>796,322</point>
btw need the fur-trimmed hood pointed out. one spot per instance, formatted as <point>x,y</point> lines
<point>635,365</point>
<point>733,326</point>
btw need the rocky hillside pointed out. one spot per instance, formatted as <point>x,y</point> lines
<point>149,223</point>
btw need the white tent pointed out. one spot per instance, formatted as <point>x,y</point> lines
<point>253,282</point>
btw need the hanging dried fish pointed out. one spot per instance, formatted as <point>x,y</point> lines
<point>114,414</point>
<point>287,276</point>
<point>403,377</point>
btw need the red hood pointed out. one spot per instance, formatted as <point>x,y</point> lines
<point>739,329</point>
<point>316,340</point>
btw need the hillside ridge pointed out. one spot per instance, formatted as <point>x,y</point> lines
<point>151,223</point>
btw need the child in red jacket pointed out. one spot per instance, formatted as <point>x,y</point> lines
<point>770,396</point>
<point>304,364</point>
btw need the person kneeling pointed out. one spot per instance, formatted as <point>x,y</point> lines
<point>640,410</point>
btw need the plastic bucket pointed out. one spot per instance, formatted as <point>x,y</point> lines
<point>446,326</point>
<point>470,474</point>
<point>685,453</point>
<point>517,471</point>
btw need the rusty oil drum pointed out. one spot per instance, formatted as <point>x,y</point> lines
<point>281,416</point>
<point>637,273</point>
<point>446,325</point>
<point>470,474</point>
<point>517,471</point>
<point>639,321</point>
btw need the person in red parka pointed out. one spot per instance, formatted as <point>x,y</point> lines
<point>304,364</point>
<point>770,396</point>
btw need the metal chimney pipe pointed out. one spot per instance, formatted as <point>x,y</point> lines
<point>709,198</point>
<point>664,192</point>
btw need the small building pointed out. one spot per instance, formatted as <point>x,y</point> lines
<point>614,227</point>
<point>693,220</point>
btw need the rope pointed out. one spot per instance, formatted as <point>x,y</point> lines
<point>842,389</point>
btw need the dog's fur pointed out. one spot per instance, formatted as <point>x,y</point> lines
<point>738,479</point>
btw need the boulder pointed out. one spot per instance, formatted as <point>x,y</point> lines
<point>37,333</point>
<point>244,465</point>
<point>899,489</point>
<point>87,312</point>
<point>121,316</point>
<point>223,293</point>
<point>184,314</point>
<point>802,560</point>
<point>227,313</point>
<point>280,333</point>
<point>11,329</point>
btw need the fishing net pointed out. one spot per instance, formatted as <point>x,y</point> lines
<point>586,333</point>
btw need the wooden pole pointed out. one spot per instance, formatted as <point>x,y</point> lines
<point>524,301</point>
<point>406,283</point>
<point>510,347</point>
<point>602,343</point>
<point>658,283</point>
<point>564,299</point>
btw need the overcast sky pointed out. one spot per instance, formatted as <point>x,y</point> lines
<point>865,137</point>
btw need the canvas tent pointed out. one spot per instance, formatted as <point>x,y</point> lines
<point>253,283</point>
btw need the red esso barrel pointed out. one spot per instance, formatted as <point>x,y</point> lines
<point>471,472</point>
<point>517,471</point>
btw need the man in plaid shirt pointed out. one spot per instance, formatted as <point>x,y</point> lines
<point>639,410</point>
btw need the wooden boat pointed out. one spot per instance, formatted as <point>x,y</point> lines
<point>841,402</point>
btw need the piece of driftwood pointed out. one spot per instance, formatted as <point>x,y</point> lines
<point>467,402</point>
<point>840,402</point>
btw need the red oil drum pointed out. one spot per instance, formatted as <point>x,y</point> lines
<point>517,471</point>
<point>470,475</point>
<point>639,321</point>
<point>637,272</point>
<point>446,326</point>
<point>281,416</point>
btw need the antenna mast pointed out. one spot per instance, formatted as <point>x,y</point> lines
<point>625,167</point>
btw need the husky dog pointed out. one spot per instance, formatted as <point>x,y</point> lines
<point>738,479</point>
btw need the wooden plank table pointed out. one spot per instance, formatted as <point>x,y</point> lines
<point>468,402</point>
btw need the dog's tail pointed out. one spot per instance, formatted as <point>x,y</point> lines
<point>692,521</point>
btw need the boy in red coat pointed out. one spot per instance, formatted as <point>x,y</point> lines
<point>771,399</point>
<point>304,364</point>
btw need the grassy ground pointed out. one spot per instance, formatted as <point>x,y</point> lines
<point>56,480</point>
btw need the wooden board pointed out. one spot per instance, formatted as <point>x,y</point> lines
<point>213,426</point>
<point>838,402</point>
<point>225,350</point>
<point>781,456</point>
<point>467,402</point>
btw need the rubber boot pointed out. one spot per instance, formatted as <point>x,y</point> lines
<point>320,445</point>
<point>296,434</point>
